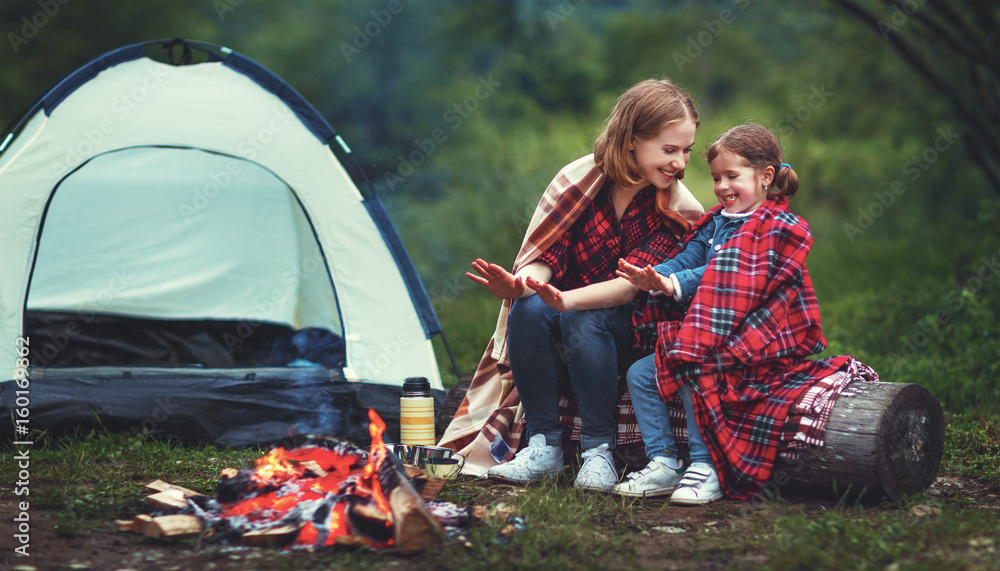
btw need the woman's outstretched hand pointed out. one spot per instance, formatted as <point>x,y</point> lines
<point>548,293</point>
<point>645,278</point>
<point>496,279</point>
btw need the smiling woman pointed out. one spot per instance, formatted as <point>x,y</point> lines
<point>624,201</point>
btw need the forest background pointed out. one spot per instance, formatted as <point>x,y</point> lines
<point>461,113</point>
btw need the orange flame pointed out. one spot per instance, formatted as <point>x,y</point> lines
<point>337,524</point>
<point>275,467</point>
<point>376,455</point>
<point>317,472</point>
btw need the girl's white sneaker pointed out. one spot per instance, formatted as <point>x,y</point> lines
<point>656,479</point>
<point>699,485</point>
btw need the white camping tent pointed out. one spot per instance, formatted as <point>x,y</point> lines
<point>136,194</point>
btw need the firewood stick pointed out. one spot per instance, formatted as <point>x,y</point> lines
<point>168,500</point>
<point>161,486</point>
<point>171,525</point>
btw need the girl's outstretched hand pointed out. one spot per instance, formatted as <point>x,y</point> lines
<point>548,293</point>
<point>496,279</point>
<point>645,278</point>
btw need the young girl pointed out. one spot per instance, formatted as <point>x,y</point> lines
<point>742,185</point>
<point>624,201</point>
<point>736,355</point>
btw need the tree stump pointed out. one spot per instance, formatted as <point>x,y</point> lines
<point>882,440</point>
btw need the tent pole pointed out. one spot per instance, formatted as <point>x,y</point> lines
<point>447,347</point>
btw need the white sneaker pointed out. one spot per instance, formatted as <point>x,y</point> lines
<point>538,460</point>
<point>598,470</point>
<point>699,485</point>
<point>656,479</point>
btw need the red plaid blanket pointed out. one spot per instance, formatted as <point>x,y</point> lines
<point>743,342</point>
<point>805,426</point>
<point>487,427</point>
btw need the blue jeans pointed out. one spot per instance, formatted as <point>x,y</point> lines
<point>653,418</point>
<point>589,348</point>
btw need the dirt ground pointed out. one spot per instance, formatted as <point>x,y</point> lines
<point>101,547</point>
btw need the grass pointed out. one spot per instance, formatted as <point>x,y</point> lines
<point>84,481</point>
<point>862,538</point>
<point>95,477</point>
<point>974,449</point>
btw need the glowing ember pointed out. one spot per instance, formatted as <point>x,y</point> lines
<point>327,490</point>
<point>275,468</point>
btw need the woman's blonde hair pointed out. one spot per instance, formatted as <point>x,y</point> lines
<point>641,112</point>
<point>759,149</point>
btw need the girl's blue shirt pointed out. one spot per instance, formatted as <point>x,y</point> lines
<point>688,266</point>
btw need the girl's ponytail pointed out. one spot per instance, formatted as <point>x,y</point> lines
<point>786,182</point>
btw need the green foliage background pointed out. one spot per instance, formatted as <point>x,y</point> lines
<point>908,285</point>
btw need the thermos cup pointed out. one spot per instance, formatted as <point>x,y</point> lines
<point>416,412</point>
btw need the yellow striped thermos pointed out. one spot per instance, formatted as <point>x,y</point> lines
<point>416,412</point>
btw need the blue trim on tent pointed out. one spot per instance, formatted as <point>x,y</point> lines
<point>86,72</point>
<point>421,301</point>
<point>267,79</point>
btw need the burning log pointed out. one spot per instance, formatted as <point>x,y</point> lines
<point>321,491</point>
<point>432,487</point>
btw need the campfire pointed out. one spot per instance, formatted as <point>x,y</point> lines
<point>307,493</point>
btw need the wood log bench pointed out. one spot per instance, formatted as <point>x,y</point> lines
<point>883,440</point>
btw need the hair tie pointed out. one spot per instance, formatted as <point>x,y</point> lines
<point>784,166</point>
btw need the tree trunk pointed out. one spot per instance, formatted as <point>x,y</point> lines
<point>882,440</point>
